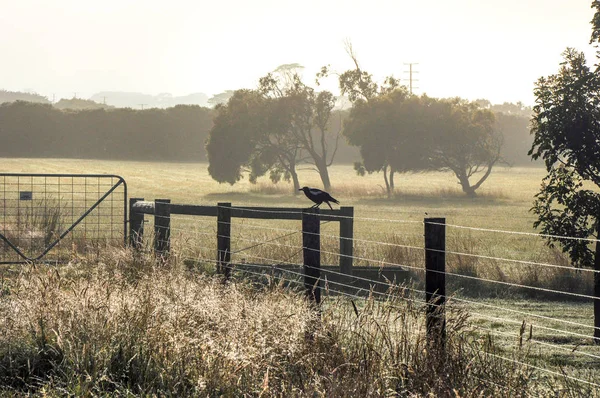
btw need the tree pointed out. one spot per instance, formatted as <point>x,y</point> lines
<point>251,133</point>
<point>464,140</point>
<point>518,109</point>
<point>391,133</point>
<point>400,133</point>
<point>308,118</point>
<point>277,151</point>
<point>275,128</point>
<point>236,129</point>
<point>566,128</point>
<point>370,122</point>
<point>483,103</point>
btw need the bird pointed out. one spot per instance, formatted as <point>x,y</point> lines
<point>318,196</point>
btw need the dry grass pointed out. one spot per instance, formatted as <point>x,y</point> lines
<point>124,326</point>
<point>119,325</point>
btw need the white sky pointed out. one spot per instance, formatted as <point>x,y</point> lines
<point>493,49</point>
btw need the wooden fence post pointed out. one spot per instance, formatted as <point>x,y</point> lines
<point>435,278</point>
<point>162,227</point>
<point>224,239</point>
<point>311,243</point>
<point>597,288</point>
<point>136,225</point>
<point>346,239</point>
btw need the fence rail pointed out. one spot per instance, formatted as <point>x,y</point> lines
<point>139,208</point>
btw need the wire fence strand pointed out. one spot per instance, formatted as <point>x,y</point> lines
<point>334,281</point>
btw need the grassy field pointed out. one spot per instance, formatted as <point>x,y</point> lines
<point>391,231</point>
<point>503,204</point>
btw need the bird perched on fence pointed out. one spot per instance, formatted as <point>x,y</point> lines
<point>318,196</point>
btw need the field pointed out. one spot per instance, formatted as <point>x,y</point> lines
<point>486,286</point>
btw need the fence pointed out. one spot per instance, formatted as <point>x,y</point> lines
<point>346,278</point>
<point>163,210</point>
<point>557,333</point>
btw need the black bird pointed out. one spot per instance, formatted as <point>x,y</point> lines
<point>318,196</point>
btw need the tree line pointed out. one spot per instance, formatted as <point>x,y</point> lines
<point>273,130</point>
<point>30,129</point>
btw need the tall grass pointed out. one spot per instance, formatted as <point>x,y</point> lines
<point>125,325</point>
<point>34,226</point>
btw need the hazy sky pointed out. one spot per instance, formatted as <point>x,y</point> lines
<point>493,49</point>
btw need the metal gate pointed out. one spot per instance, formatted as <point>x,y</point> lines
<point>53,218</point>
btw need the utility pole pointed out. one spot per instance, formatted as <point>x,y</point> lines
<point>410,72</point>
<point>142,105</point>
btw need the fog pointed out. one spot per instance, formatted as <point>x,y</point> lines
<point>492,49</point>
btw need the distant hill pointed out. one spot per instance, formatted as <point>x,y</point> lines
<point>79,104</point>
<point>134,100</point>
<point>12,96</point>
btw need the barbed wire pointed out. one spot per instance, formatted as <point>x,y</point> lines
<point>433,223</point>
<point>516,232</point>
<point>486,257</point>
<point>458,299</point>
<point>544,343</point>
<point>511,284</point>
<point>525,364</point>
<point>454,274</point>
<point>580,295</point>
<point>331,285</point>
<point>346,294</point>
<point>271,211</point>
<point>480,256</point>
<point>562,375</point>
<point>299,274</point>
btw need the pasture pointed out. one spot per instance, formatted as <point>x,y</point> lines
<point>506,288</point>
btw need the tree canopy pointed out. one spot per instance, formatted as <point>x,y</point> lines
<point>464,140</point>
<point>389,131</point>
<point>399,133</point>
<point>566,128</point>
<point>273,129</point>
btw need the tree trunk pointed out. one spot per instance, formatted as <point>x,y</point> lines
<point>295,180</point>
<point>387,184</point>
<point>466,186</point>
<point>392,186</point>
<point>289,163</point>
<point>484,176</point>
<point>324,173</point>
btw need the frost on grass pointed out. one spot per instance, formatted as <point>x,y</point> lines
<point>124,325</point>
